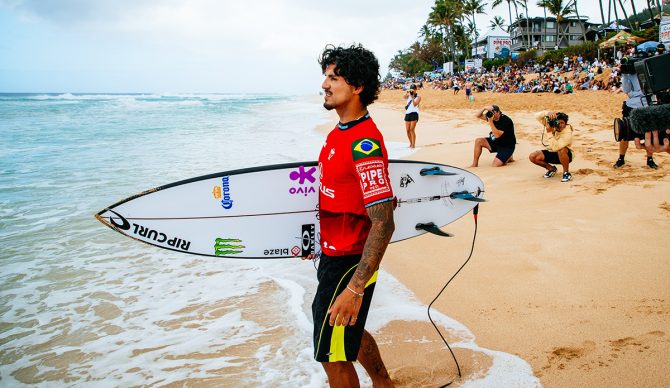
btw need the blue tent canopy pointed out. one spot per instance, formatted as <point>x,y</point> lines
<point>647,46</point>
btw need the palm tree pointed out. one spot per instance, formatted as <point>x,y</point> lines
<point>651,14</point>
<point>509,8</point>
<point>637,20</point>
<point>616,14</point>
<point>444,14</point>
<point>581,24</point>
<point>560,11</point>
<point>625,14</point>
<point>524,5</point>
<point>602,13</point>
<point>497,21</point>
<point>544,33</point>
<point>473,8</point>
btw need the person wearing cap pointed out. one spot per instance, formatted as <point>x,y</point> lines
<point>412,114</point>
<point>558,150</point>
<point>660,49</point>
<point>501,139</point>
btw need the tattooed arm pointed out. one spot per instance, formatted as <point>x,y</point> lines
<point>348,302</point>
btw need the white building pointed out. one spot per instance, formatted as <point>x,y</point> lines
<point>495,43</point>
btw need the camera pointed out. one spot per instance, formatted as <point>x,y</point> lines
<point>642,120</point>
<point>653,81</point>
<point>628,63</point>
<point>489,114</point>
<point>552,122</point>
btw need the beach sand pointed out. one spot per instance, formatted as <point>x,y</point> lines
<point>571,277</point>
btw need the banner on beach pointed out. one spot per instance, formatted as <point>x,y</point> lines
<point>499,47</point>
<point>664,31</point>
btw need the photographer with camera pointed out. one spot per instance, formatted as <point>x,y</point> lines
<point>636,99</point>
<point>501,139</point>
<point>412,114</point>
<point>558,150</point>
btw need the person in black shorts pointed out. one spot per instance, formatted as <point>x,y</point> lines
<point>559,139</point>
<point>355,218</point>
<point>412,114</point>
<point>501,139</point>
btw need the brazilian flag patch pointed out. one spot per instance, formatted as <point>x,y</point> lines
<point>365,148</point>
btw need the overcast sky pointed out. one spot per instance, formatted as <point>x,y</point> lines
<point>183,46</point>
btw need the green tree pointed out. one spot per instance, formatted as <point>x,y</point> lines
<point>579,19</point>
<point>602,12</point>
<point>496,3</point>
<point>496,22</point>
<point>560,11</point>
<point>625,14</point>
<point>473,8</point>
<point>444,15</point>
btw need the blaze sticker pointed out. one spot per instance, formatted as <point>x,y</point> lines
<point>365,148</point>
<point>227,246</point>
<point>373,181</point>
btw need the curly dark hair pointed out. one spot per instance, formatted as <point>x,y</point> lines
<point>562,116</point>
<point>357,65</point>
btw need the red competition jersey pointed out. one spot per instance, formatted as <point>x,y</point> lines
<point>354,175</point>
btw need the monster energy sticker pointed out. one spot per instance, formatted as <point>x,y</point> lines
<point>227,246</point>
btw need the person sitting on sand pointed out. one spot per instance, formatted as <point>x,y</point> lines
<point>558,150</point>
<point>501,139</point>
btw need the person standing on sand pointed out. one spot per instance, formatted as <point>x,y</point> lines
<point>412,114</point>
<point>355,216</point>
<point>468,89</point>
<point>501,139</point>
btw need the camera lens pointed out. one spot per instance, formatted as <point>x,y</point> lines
<point>489,114</point>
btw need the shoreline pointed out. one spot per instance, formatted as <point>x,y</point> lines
<point>571,277</point>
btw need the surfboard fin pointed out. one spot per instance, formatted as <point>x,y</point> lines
<point>434,171</point>
<point>464,195</point>
<point>432,228</point>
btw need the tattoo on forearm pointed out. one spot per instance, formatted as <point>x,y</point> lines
<point>382,229</point>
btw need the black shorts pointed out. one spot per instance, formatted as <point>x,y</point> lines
<point>502,153</point>
<point>552,157</point>
<point>414,116</point>
<point>337,343</point>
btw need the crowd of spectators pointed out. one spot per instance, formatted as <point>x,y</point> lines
<point>563,77</point>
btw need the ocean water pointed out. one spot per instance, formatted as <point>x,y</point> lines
<point>81,305</point>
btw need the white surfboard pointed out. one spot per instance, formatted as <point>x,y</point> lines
<point>272,211</point>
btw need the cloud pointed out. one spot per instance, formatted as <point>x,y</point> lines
<point>216,44</point>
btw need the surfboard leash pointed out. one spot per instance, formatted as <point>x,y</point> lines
<point>475,212</point>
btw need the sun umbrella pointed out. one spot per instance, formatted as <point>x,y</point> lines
<point>647,46</point>
<point>620,38</point>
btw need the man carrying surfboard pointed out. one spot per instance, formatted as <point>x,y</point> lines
<point>356,219</point>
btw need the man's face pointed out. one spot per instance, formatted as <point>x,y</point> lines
<point>496,115</point>
<point>336,89</point>
<point>561,125</point>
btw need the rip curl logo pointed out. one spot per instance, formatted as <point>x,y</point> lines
<point>228,246</point>
<point>365,148</point>
<point>124,225</point>
<point>303,177</point>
